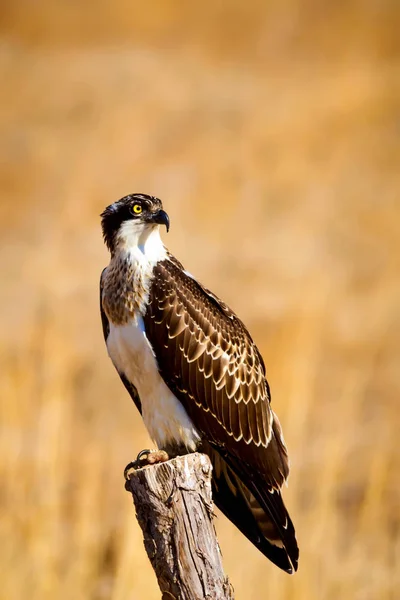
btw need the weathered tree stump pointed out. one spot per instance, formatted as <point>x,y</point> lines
<point>175,511</point>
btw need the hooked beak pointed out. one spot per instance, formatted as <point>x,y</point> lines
<point>161,218</point>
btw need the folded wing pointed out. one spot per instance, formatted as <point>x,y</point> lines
<point>209,361</point>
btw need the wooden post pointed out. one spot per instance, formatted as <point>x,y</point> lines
<point>175,511</point>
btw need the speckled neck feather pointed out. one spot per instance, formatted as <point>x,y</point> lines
<point>125,289</point>
<point>126,281</point>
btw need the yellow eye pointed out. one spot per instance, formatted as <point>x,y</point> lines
<point>137,209</point>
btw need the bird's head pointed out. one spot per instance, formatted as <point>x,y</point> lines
<point>131,220</point>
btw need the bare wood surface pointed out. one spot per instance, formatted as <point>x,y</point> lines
<point>175,511</point>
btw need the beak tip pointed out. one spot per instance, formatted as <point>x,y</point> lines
<point>161,218</point>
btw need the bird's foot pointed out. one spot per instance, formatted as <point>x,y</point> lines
<point>145,458</point>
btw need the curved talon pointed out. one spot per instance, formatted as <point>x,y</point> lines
<point>146,457</point>
<point>135,464</point>
<point>131,465</point>
<point>142,453</point>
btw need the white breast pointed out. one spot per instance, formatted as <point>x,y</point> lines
<point>164,416</point>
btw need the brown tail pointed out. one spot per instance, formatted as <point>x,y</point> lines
<point>259,514</point>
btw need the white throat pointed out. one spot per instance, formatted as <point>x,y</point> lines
<point>141,241</point>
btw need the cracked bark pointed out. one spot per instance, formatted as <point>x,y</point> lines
<point>175,511</point>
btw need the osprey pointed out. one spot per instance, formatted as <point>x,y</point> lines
<point>195,374</point>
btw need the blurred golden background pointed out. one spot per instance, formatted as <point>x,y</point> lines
<point>271,130</point>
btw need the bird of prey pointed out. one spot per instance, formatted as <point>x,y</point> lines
<point>195,374</point>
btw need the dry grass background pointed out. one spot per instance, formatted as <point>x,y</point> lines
<point>271,132</point>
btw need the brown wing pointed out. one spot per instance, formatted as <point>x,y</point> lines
<point>208,359</point>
